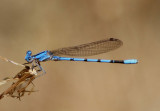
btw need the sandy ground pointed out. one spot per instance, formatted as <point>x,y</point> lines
<point>80,86</point>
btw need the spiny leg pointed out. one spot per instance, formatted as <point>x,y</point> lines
<point>40,70</point>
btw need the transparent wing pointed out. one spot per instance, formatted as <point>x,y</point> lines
<point>89,49</point>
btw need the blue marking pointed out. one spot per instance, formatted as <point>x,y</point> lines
<point>107,61</point>
<point>64,58</point>
<point>131,61</point>
<point>44,58</point>
<point>78,59</point>
<point>40,55</point>
<point>92,60</point>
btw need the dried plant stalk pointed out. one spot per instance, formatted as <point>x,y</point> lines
<point>18,88</point>
<point>7,60</point>
<point>23,79</point>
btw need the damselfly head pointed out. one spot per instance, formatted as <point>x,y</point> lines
<point>28,57</point>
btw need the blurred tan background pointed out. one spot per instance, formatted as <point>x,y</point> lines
<point>39,25</point>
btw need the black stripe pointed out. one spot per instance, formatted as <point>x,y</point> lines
<point>71,59</point>
<point>118,61</point>
<point>85,60</point>
<point>99,60</point>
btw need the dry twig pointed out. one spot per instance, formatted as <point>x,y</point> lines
<point>23,79</point>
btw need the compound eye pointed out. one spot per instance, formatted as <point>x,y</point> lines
<point>29,52</point>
